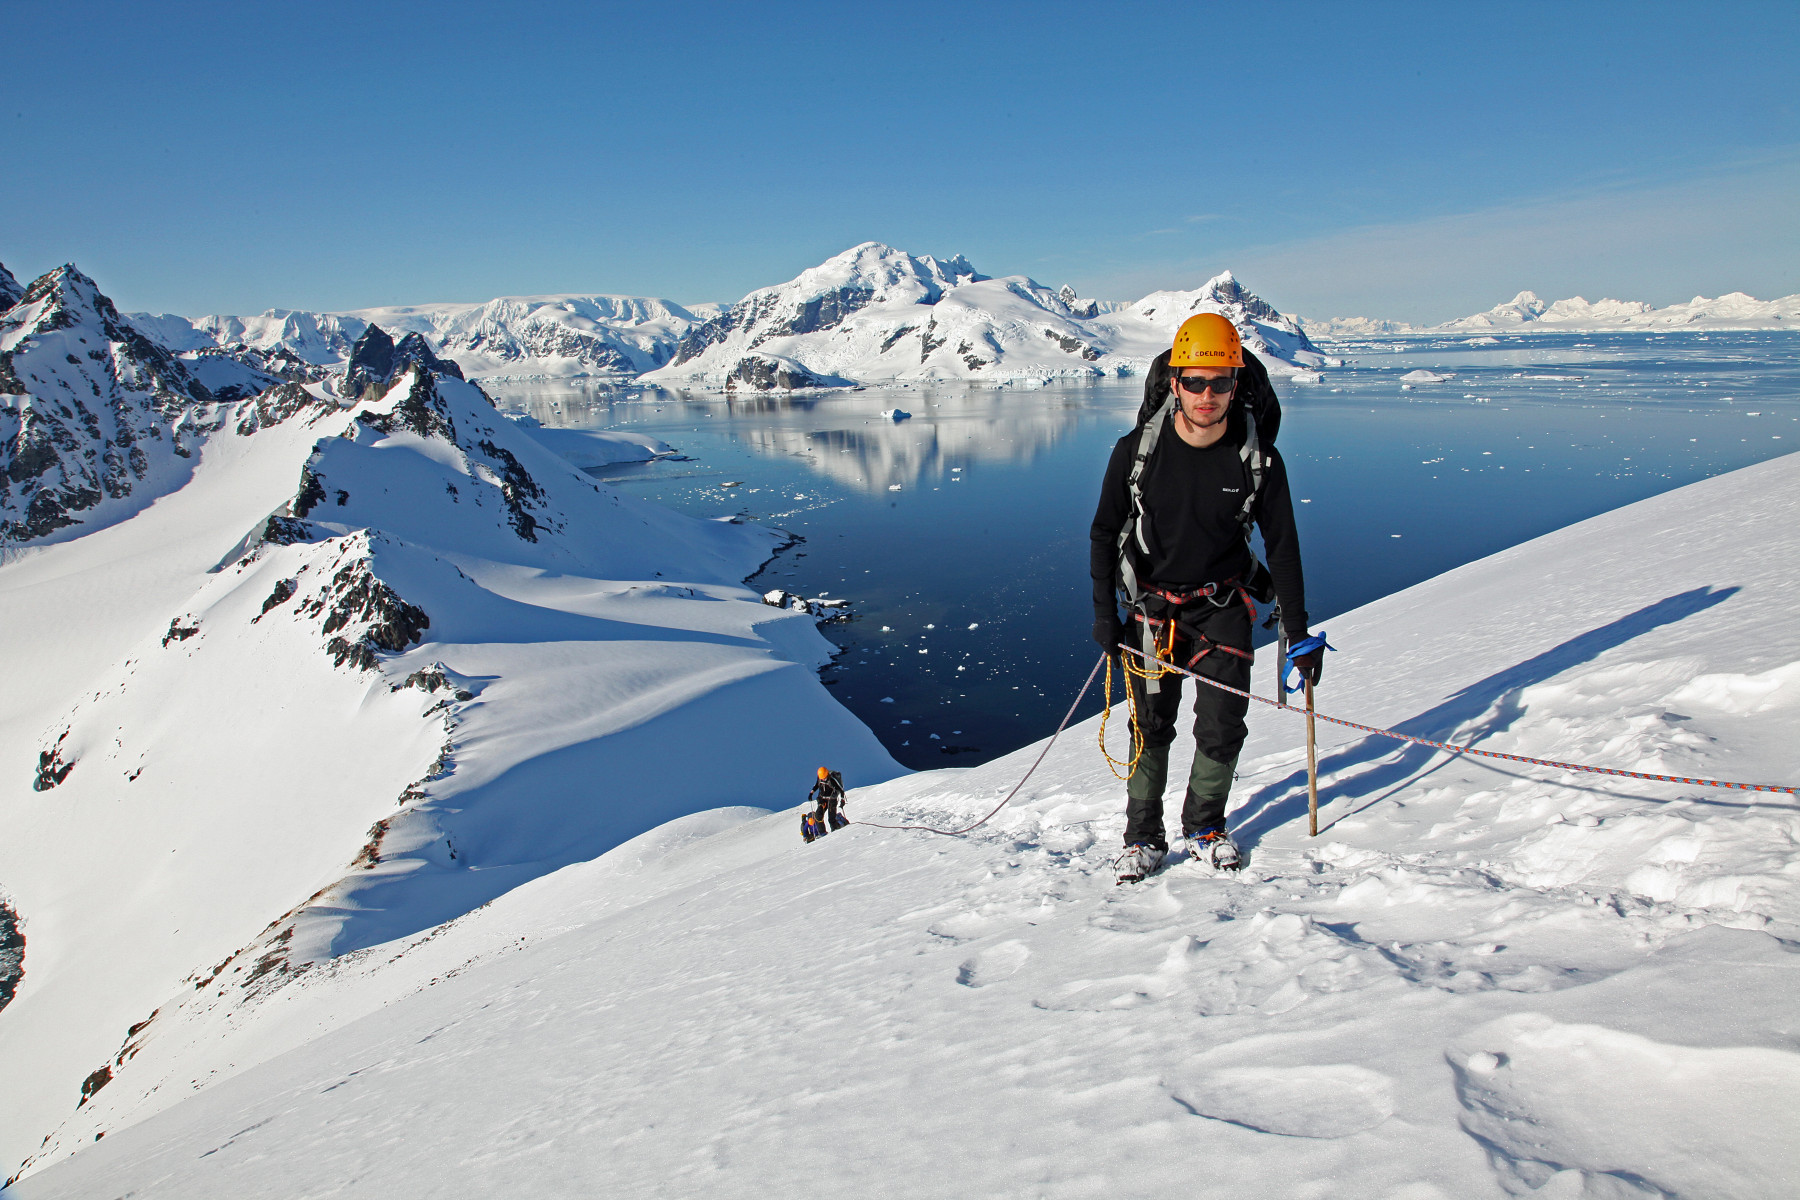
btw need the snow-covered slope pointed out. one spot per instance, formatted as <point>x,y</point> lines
<point>874,314</point>
<point>376,662</point>
<point>1526,313</point>
<point>1479,981</point>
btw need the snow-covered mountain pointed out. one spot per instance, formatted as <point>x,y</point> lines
<point>96,419</point>
<point>1527,313</point>
<point>374,657</point>
<point>871,315</point>
<point>1334,329</point>
<point>877,315</point>
<point>1481,980</point>
<point>526,335</point>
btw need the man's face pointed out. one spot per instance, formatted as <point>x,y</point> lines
<point>1207,408</point>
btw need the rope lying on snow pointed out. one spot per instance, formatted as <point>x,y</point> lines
<point>1454,749</point>
<point>1015,791</point>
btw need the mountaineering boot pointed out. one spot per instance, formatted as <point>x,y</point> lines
<point>1137,863</point>
<point>837,819</point>
<point>1214,848</point>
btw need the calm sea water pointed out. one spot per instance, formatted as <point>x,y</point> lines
<point>960,535</point>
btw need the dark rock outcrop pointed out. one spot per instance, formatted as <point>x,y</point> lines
<point>363,615</point>
<point>12,948</point>
<point>376,359</point>
<point>769,373</point>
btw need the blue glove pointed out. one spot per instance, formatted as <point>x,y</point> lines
<point>1307,657</point>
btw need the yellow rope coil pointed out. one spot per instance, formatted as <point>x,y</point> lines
<point>1145,671</point>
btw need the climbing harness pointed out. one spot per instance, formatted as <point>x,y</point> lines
<point>1015,790</point>
<point>1455,749</point>
<point>1161,633</point>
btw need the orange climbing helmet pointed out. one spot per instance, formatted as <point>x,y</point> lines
<point>1207,340</point>
<point>824,774</point>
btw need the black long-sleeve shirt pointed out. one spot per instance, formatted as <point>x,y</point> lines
<point>1192,498</point>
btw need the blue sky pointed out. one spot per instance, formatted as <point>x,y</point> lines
<point>1408,161</point>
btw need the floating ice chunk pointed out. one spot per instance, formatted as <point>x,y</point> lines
<point>974,624</point>
<point>1424,376</point>
<point>893,487</point>
<point>887,629</point>
<point>888,700</point>
<point>895,414</point>
<point>931,627</point>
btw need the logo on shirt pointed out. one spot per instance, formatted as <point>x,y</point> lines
<point>1233,491</point>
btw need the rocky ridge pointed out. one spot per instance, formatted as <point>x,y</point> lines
<point>96,419</point>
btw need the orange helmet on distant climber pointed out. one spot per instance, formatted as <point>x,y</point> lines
<point>824,773</point>
<point>1207,340</point>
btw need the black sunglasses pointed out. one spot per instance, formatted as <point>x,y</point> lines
<point>1200,384</point>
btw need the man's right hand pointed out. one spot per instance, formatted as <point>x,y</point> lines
<point>1109,631</point>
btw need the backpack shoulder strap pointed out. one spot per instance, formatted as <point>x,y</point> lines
<point>1135,520</point>
<point>1256,469</point>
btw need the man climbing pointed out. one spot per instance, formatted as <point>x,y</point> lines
<point>828,791</point>
<point>1171,536</point>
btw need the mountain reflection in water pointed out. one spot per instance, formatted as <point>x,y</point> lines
<point>843,432</point>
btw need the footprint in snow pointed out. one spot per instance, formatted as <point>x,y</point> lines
<point>993,964</point>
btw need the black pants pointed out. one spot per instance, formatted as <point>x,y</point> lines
<point>1219,728</point>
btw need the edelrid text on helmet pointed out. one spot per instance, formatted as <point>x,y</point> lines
<point>1207,340</point>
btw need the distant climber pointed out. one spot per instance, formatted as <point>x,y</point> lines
<point>828,792</point>
<point>1171,536</point>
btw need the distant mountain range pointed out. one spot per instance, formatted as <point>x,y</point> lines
<point>1526,313</point>
<point>871,315</point>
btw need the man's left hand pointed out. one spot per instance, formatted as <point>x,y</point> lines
<point>1311,665</point>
